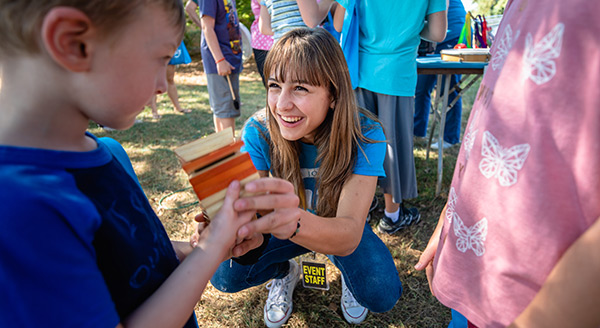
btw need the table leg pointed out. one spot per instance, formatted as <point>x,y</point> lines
<point>434,107</point>
<point>443,111</point>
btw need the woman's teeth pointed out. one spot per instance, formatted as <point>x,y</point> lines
<point>291,119</point>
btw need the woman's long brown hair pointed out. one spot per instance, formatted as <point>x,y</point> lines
<point>314,56</point>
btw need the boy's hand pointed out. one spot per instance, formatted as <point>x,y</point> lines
<point>277,195</point>
<point>224,68</point>
<point>222,230</point>
<point>202,223</point>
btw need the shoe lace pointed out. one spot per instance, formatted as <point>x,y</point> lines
<point>348,298</point>
<point>408,217</point>
<point>277,293</point>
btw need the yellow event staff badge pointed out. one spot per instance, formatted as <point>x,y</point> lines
<point>314,273</point>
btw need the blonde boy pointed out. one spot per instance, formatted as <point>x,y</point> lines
<point>79,243</point>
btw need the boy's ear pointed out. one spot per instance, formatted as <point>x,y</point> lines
<point>67,34</point>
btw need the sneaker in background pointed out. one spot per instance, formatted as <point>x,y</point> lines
<point>278,307</point>
<point>434,145</point>
<point>373,207</point>
<point>353,312</point>
<point>407,217</point>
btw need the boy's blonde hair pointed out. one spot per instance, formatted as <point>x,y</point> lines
<point>313,56</point>
<point>21,20</point>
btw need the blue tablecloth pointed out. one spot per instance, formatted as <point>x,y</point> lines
<point>435,61</point>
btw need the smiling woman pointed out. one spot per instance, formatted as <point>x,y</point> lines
<point>314,135</point>
<point>298,107</point>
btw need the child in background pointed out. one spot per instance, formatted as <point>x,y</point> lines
<point>278,17</point>
<point>314,135</point>
<point>221,50</point>
<point>260,43</point>
<point>171,92</point>
<point>80,245</point>
<point>517,243</point>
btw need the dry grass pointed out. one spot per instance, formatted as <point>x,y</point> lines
<point>150,146</point>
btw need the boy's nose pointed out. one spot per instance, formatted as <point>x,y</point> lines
<point>161,85</point>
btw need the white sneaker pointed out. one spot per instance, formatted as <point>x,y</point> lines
<point>434,145</point>
<point>279,303</point>
<point>353,312</point>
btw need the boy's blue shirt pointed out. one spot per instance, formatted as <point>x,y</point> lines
<point>80,245</point>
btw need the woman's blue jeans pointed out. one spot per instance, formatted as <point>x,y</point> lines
<point>369,272</point>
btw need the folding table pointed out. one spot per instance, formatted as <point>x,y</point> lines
<point>433,64</point>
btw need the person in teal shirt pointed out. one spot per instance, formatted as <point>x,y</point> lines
<point>383,67</point>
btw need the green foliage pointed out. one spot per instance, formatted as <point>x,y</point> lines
<point>193,34</point>
<point>245,12</point>
<point>490,7</point>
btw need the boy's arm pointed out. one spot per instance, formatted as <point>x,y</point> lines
<point>182,249</point>
<point>173,302</point>
<point>264,21</point>
<point>208,28</point>
<point>314,13</point>
<point>571,293</point>
<point>190,9</point>
<point>435,27</point>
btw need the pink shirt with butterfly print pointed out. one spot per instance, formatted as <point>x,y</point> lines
<point>527,179</point>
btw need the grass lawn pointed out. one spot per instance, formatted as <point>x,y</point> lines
<point>150,146</point>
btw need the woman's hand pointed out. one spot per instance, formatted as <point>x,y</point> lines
<point>277,195</point>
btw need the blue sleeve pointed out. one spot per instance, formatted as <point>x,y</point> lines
<point>208,8</point>
<point>254,136</point>
<point>370,162</point>
<point>344,3</point>
<point>117,150</point>
<point>49,276</point>
<point>436,6</point>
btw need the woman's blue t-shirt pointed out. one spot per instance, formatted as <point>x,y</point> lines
<point>370,163</point>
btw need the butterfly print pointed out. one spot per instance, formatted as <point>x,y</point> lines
<point>450,212</point>
<point>502,163</point>
<point>539,64</point>
<point>504,45</point>
<point>470,135</point>
<point>472,238</point>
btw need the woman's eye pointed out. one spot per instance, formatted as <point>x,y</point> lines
<point>301,88</point>
<point>273,85</point>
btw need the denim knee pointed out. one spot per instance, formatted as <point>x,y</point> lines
<point>226,281</point>
<point>379,300</point>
